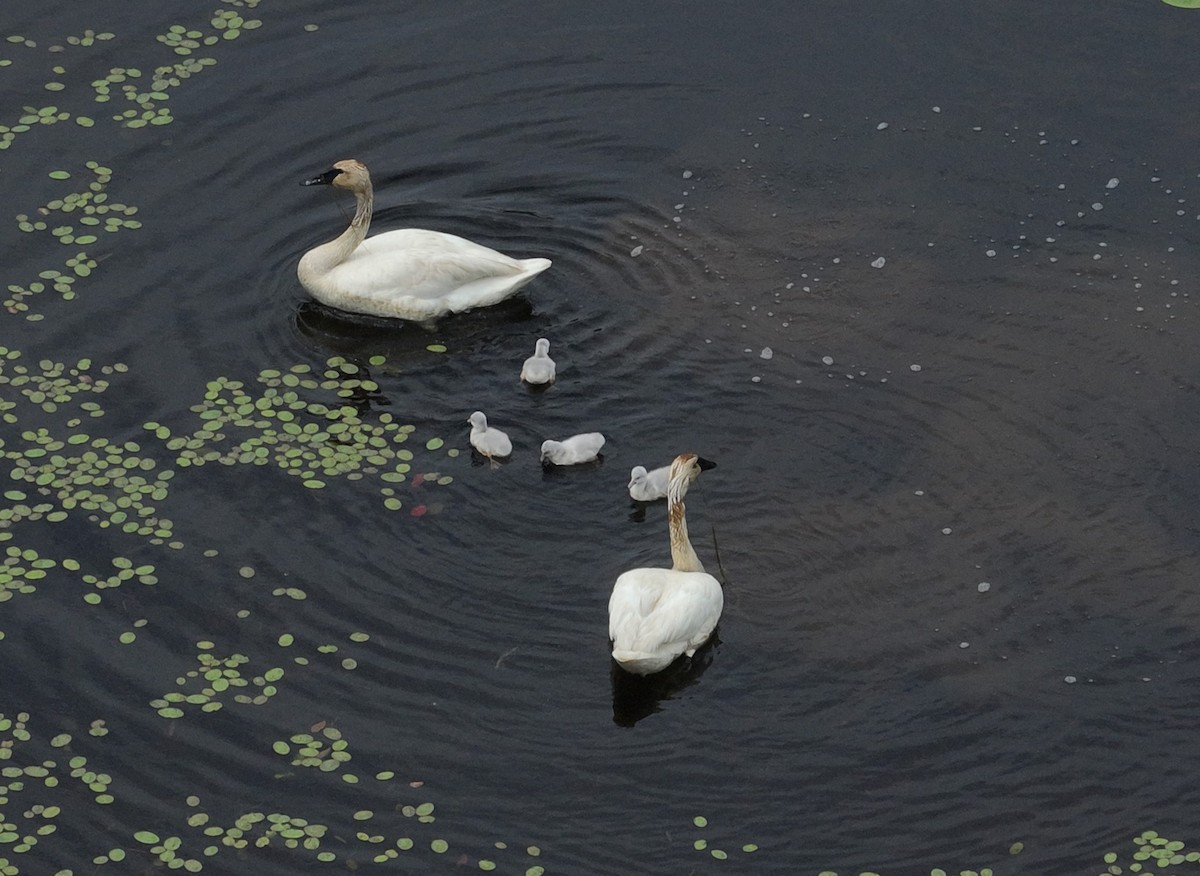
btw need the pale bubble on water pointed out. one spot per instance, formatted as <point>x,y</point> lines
<point>879,262</point>
<point>766,353</point>
<point>914,367</point>
<point>636,251</point>
<point>1112,183</point>
<point>687,174</point>
<point>828,360</point>
<point>1070,679</point>
<point>983,587</point>
<point>882,126</point>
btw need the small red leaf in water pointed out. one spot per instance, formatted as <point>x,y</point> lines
<point>418,479</point>
<point>419,511</point>
<point>418,783</point>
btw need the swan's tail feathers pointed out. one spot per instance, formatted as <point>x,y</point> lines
<point>533,267</point>
<point>642,662</point>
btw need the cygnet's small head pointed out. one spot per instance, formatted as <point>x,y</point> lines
<point>542,348</point>
<point>548,446</point>
<point>477,420</point>
<point>637,475</point>
<point>348,174</point>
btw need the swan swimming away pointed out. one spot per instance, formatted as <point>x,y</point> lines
<point>648,486</point>
<point>654,615</point>
<point>539,368</point>
<point>409,273</point>
<point>573,450</point>
<point>488,440</point>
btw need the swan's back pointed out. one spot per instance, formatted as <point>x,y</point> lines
<point>654,615</point>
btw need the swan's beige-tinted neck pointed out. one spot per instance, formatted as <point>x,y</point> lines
<point>683,555</point>
<point>324,258</point>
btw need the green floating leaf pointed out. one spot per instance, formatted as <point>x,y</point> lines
<point>1184,4</point>
<point>700,821</point>
<point>440,846</point>
<point>436,348</point>
<point>147,837</point>
<point>434,443</point>
<point>59,174</point>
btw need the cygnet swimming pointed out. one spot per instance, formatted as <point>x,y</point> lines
<point>649,486</point>
<point>539,368</point>
<point>488,440</point>
<point>574,450</point>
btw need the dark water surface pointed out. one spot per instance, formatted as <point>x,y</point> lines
<point>920,278</point>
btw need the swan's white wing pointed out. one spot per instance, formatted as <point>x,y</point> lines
<point>651,609</point>
<point>414,273</point>
<point>421,263</point>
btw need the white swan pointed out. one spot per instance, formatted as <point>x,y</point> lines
<point>648,486</point>
<point>654,615</point>
<point>488,440</point>
<point>539,368</point>
<point>409,273</point>
<point>573,450</point>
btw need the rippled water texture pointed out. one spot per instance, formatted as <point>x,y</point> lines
<point>922,282</point>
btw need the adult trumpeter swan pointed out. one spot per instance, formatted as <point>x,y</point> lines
<point>573,450</point>
<point>654,615</point>
<point>409,273</point>
<point>539,368</point>
<point>648,486</point>
<point>488,440</point>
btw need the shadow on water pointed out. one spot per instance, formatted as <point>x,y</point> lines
<point>639,696</point>
<point>346,333</point>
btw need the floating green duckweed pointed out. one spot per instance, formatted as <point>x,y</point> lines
<point>89,37</point>
<point>700,844</point>
<point>215,680</point>
<point>20,571</point>
<point>125,571</point>
<point>316,427</point>
<point>75,219</point>
<point>327,751</point>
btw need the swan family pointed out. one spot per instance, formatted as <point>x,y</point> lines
<point>655,615</point>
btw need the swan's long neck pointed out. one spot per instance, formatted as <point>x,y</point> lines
<point>683,555</point>
<point>337,251</point>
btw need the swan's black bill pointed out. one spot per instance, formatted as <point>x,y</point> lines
<point>324,179</point>
<point>705,464</point>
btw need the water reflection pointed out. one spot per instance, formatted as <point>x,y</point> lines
<point>638,696</point>
<point>337,331</point>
